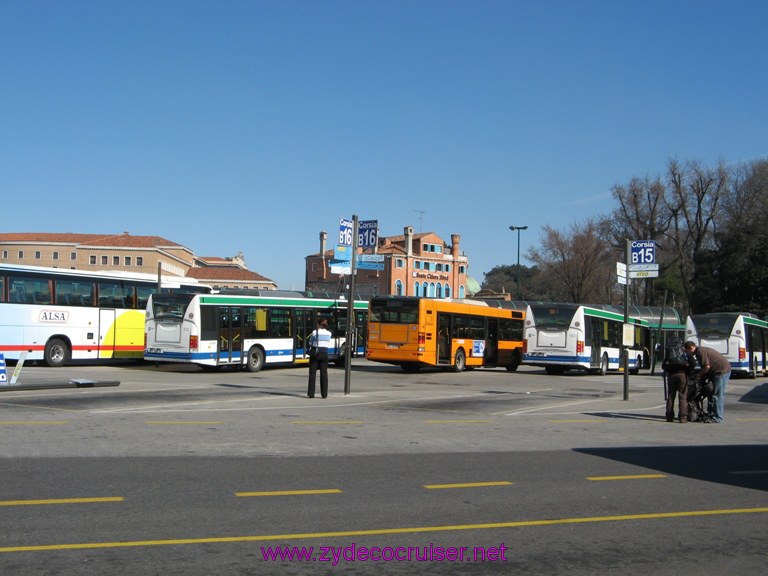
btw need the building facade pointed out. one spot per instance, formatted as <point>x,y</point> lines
<point>414,264</point>
<point>125,252</point>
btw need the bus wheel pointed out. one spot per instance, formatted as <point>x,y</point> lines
<point>515,361</point>
<point>459,361</point>
<point>255,359</point>
<point>604,365</point>
<point>56,353</point>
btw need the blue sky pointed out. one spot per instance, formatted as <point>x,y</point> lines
<point>251,126</point>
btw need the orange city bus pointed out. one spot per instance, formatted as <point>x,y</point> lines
<point>412,332</point>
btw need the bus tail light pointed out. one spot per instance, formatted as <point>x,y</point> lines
<point>422,337</point>
<point>742,353</point>
<point>579,346</point>
<point>525,347</point>
<point>193,343</point>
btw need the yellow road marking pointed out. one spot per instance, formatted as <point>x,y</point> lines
<point>181,422</point>
<point>466,485</point>
<point>60,501</point>
<point>573,421</point>
<point>627,477</point>
<point>310,422</point>
<point>289,492</point>
<point>458,421</point>
<point>32,423</point>
<point>382,531</point>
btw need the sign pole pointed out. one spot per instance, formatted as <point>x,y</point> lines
<point>350,342</point>
<point>625,349</point>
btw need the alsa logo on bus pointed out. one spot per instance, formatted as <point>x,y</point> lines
<point>56,316</point>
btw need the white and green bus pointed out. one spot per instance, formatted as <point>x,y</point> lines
<point>246,330</point>
<point>741,337</point>
<point>562,337</point>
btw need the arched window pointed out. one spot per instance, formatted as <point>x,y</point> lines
<point>398,288</point>
<point>416,287</point>
<point>461,291</point>
<point>447,291</point>
<point>439,290</point>
<point>424,289</point>
<point>432,289</point>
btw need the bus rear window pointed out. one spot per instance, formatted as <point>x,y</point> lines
<point>552,316</point>
<point>170,308</point>
<point>394,311</point>
<point>714,325</point>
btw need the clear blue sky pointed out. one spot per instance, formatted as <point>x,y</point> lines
<point>253,125</point>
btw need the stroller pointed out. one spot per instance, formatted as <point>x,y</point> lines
<point>699,389</point>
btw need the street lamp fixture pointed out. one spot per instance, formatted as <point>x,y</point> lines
<point>518,228</point>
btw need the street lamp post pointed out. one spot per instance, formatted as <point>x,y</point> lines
<point>518,228</point>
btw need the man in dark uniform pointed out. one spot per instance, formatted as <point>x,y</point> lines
<point>678,366</point>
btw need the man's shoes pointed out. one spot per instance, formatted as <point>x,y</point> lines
<point>683,420</point>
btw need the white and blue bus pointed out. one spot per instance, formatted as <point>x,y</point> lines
<point>246,330</point>
<point>60,315</point>
<point>739,336</point>
<point>562,337</point>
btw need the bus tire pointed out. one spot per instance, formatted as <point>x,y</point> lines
<point>57,353</point>
<point>603,365</point>
<point>459,361</point>
<point>515,361</point>
<point>255,359</point>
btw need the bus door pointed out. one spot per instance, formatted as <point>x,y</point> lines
<point>595,357</point>
<point>756,347</point>
<point>230,335</point>
<point>443,338</point>
<point>107,332</point>
<point>491,353</point>
<point>305,323</point>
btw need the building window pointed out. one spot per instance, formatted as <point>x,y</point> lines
<point>398,288</point>
<point>55,255</point>
<point>416,287</point>
<point>424,289</point>
<point>447,267</point>
<point>104,260</point>
<point>439,249</point>
<point>92,260</point>
<point>461,291</point>
<point>447,291</point>
<point>21,254</point>
<point>139,260</point>
<point>432,290</point>
<point>417,264</point>
<point>37,255</point>
<point>127,260</point>
<point>399,263</point>
<point>5,254</point>
<point>115,260</point>
<point>73,256</point>
<point>461,269</point>
<point>439,290</point>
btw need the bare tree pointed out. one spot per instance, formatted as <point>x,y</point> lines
<point>578,265</point>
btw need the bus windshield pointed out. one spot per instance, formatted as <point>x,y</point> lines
<point>552,316</point>
<point>169,307</point>
<point>714,325</point>
<point>394,311</point>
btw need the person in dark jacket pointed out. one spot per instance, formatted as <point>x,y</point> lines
<point>678,367</point>
<point>717,367</point>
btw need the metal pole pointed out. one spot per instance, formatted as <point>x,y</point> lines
<point>518,228</point>
<point>626,321</point>
<point>351,310</point>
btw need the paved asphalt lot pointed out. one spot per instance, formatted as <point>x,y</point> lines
<point>182,471</point>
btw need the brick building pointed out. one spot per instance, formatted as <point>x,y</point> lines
<point>415,264</point>
<point>127,253</point>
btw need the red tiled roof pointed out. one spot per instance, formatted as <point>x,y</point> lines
<point>89,239</point>
<point>226,273</point>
